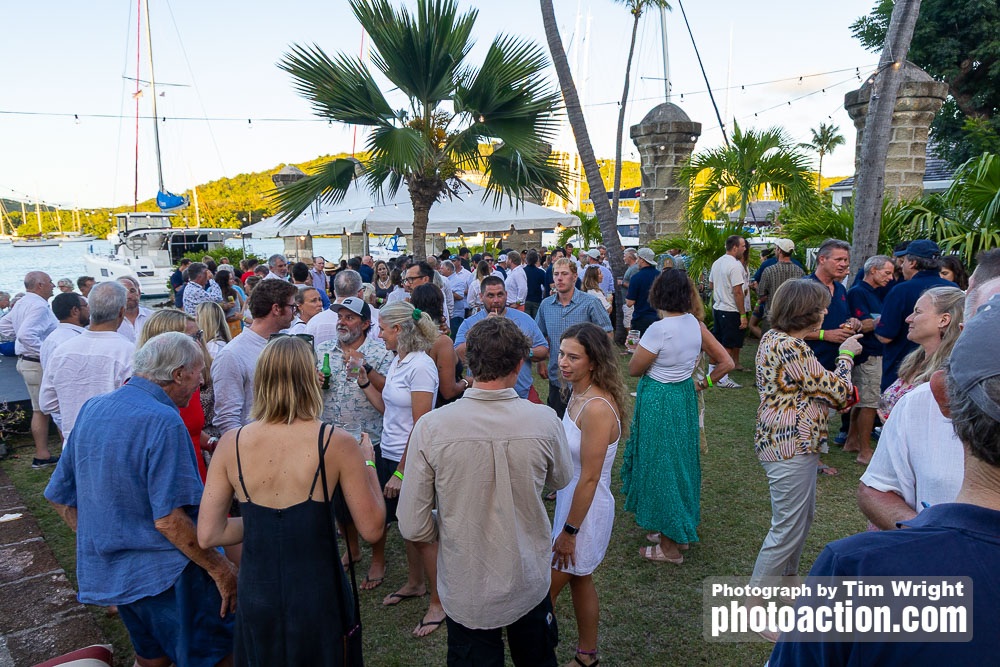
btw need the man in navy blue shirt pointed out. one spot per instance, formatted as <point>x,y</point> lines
<point>637,297</point>
<point>866,306</point>
<point>950,539</point>
<point>177,282</point>
<point>537,284</point>
<point>920,273</point>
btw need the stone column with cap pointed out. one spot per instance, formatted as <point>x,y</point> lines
<point>919,99</point>
<point>665,139</point>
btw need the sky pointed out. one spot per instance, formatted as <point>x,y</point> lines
<point>67,114</point>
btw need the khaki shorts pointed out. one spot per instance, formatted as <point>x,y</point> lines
<point>31,373</point>
<point>867,377</point>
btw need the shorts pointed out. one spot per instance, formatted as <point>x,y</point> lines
<point>727,329</point>
<point>384,469</point>
<point>867,377</point>
<point>31,373</point>
<point>181,623</point>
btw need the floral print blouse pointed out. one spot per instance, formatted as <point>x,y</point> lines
<point>796,393</point>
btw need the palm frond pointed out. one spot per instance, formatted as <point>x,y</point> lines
<point>418,54</point>
<point>329,184</point>
<point>340,89</point>
<point>516,175</point>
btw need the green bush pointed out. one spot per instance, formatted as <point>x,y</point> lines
<point>233,254</point>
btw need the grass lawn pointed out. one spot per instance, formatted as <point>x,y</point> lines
<point>651,614</point>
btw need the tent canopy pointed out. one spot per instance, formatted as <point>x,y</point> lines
<point>467,213</point>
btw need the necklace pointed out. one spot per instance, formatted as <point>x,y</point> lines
<point>584,392</point>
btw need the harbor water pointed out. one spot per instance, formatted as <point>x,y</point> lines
<point>67,260</point>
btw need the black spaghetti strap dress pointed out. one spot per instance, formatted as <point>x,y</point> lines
<point>287,610</point>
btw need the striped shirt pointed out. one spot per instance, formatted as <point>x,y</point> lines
<point>774,276</point>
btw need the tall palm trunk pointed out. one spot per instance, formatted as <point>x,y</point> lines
<point>819,175</point>
<point>423,194</point>
<point>869,186</point>
<point>598,194</point>
<point>621,119</point>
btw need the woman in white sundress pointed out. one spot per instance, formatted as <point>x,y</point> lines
<point>585,509</point>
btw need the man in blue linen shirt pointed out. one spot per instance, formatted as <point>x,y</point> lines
<point>920,273</point>
<point>131,493</point>
<point>494,295</point>
<point>949,539</point>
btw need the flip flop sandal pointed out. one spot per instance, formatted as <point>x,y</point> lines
<point>400,597</point>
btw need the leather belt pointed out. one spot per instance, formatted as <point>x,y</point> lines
<point>27,358</point>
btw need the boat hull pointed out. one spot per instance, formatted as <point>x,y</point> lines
<point>35,244</point>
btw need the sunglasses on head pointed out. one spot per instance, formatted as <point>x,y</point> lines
<point>197,336</point>
<point>303,336</point>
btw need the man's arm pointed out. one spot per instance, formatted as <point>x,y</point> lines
<point>228,392</point>
<point>883,508</point>
<point>179,529</point>
<point>416,498</point>
<point>67,513</point>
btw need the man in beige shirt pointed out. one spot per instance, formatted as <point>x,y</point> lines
<point>484,461</point>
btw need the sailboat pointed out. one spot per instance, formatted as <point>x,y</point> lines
<point>146,245</point>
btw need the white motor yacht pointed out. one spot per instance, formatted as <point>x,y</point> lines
<point>148,247</point>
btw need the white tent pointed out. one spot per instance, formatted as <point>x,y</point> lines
<point>468,213</point>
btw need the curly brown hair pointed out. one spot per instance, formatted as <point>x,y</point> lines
<point>606,375</point>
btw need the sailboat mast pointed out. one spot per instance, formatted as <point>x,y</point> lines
<point>666,58</point>
<point>152,90</point>
<point>38,214</point>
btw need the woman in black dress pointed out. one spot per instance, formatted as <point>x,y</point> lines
<point>290,578</point>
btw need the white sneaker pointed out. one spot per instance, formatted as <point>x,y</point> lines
<point>728,383</point>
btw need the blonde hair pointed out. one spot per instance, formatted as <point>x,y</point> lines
<point>285,387</point>
<point>368,293</point>
<point>170,319</point>
<point>212,321</point>
<point>566,262</point>
<point>591,279</point>
<point>416,334</point>
<point>917,367</point>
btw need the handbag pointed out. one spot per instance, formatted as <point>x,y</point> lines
<point>335,504</point>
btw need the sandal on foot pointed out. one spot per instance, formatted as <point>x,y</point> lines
<point>427,624</point>
<point>655,554</point>
<point>653,538</point>
<point>576,662</point>
<point>829,471</point>
<point>400,597</point>
<point>371,583</point>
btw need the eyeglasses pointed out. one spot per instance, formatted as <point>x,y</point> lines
<point>197,336</point>
<point>302,336</point>
<point>293,306</point>
<point>410,279</point>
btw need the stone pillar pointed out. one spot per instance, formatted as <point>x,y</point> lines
<point>920,98</point>
<point>665,139</point>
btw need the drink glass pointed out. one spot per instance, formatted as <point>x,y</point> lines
<point>355,430</point>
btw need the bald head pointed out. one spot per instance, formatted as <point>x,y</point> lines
<point>976,296</point>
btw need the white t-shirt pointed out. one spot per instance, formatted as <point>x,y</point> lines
<point>918,455</point>
<point>417,372</point>
<point>676,342</point>
<point>727,272</point>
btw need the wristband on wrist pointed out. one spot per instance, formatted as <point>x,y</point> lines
<point>365,385</point>
<point>370,463</point>
<point>398,474</point>
<point>708,380</point>
<point>821,334</point>
<point>570,529</point>
<point>848,353</point>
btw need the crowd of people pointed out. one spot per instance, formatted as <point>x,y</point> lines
<point>416,382</point>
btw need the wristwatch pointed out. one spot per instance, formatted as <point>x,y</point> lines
<point>368,368</point>
<point>570,530</point>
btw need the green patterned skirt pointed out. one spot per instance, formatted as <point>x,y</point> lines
<point>661,471</point>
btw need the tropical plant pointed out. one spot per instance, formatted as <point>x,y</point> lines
<point>454,109</point>
<point>810,229</point>
<point>754,160</point>
<point>588,231</point>
<point>702,243</point>
<point>966,219</point>
<point>636,8</point>
<point>824,141</point>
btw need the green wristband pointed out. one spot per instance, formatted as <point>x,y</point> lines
<point>821,334</point>
<point>398,474</point>
<point>848,353</point>
<point>370,463</point>
<point>708,380</point>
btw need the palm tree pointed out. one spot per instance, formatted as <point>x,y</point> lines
<point>824,141</point>
<point>753,160</point>
<point>498,118</point>
<point>598,193</point>
<point>636,8</point>
<point>588,231</point>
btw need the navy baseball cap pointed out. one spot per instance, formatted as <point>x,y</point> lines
<point>920,248</point>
